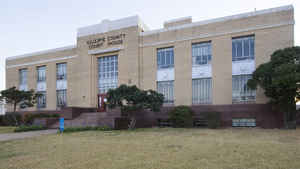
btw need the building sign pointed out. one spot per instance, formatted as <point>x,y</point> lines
<point>110,40</point>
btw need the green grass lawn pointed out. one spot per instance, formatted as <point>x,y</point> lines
<point>6,129</point>
<point>156,148</point>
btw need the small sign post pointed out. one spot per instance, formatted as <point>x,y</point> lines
<point>61,124</point>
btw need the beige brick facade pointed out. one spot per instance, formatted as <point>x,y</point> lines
<point>136,48</point>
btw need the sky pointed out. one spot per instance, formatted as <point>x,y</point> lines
<point>34,25</point>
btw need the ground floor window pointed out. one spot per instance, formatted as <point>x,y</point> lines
<point>201,89</point>
<point>243,122</point>
<point>107,73</point>
<point>61,98</point>
<point>240,91</point>
<point>41,100</point>
<point>167,89</point>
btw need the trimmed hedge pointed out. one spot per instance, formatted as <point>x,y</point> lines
<point>10,119</point>
<point>29,128</point>
<point>88,128</point>
<point>181,116</point>
<point>29,118</point>
<point>213,119</point>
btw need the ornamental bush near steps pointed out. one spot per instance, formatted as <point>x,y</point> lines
<point>181,116</point>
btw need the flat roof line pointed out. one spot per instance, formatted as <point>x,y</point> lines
<point>221,19</point>
<point>41,52</point>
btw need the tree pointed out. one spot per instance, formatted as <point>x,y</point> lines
<point>17,97</point>
<point>280,79</point>
<point>131,100</point>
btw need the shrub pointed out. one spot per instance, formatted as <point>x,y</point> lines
<point>29,118</point>
<point>213,119</point>
<point>10,119</point>
<point>88,128</point>
<point>181,116</point>
<point>29,128</point>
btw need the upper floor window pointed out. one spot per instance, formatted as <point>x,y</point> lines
<point>41,73</point>
<point>243,48</point>
<point>23,76</point>
<point>201,53</point>
<point>61,71</point>
<point>165,58</point>
<point>107,73</point>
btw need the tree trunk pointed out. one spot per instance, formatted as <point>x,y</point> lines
<point>132,123</point>
<point>14,114</point>
<point>290,115</point>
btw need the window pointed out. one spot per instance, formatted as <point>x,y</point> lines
<point>23,79</point>
<point>201,53</point>
<point>246,122</point>
<point>201,91</point>
<point>240,90</point>
<point>41,100</point>
<point>107,73</point>
<point>61,71</point>
<point>243,48</point>
<point>61,84</point>
<point>167,89</point>
<point>165,58</point>
<point>41,73</point>
<point>61,98</point>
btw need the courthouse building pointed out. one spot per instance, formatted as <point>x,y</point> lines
<point>191,63</point>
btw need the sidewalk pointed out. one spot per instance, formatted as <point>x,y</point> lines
<point>21,135</point>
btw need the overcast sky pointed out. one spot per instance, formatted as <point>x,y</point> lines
<point>33,25</point>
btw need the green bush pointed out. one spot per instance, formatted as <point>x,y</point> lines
<point>181,116</point>
<point>29,118</point>
<point>29,128</point>
<point>88,128</point>
<point>10,119</point>
<point>213,119</point>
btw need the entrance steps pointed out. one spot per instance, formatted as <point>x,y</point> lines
<point>90,119</point>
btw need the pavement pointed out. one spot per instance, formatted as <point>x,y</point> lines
<point>29,134</point>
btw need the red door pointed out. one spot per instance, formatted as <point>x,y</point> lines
<point>101,102</point>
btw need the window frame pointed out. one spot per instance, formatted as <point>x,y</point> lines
<point>167,100</point>
<point>64,75</point>
<point>247,92</point>
<point>209,93</point>
<point>38,69</point>
<point>159,51</point>
<point>108,71</point>
<point>202,45</point>
<point>242,39</point>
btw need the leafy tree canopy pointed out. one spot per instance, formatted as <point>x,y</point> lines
<point>131,98</point>
<point>16,97</point>
<point>280,79</point>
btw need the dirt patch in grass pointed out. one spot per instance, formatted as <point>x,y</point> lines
<point>165,148</point>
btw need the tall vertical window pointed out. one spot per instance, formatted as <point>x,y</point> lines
<point>201,89</point>
<point>61,84</point>
<point>61,71</point>
<point>243,48</point>
<point>240,90</point>
<point>167,89</point>
<point>41,86</point>
<point>165,58</point>
<point>242,57</point>
<point>107,73</point>
<point>23,79</point>
<point>165,73</point>
<point>201,73</point>
<point>201,53</point>
<point>41,74</point>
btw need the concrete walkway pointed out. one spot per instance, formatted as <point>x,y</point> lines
<point>21,135</point>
